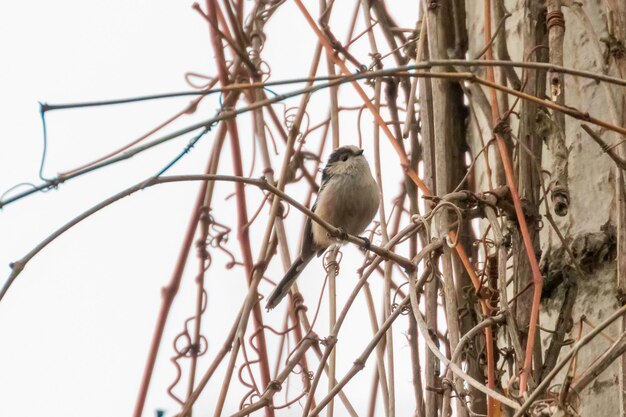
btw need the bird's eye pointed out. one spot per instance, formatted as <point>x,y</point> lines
<point>344,158</point>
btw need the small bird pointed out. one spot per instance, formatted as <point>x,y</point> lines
<point>348,199</point>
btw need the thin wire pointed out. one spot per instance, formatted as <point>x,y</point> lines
<point>336,80</point>
<point>422,65</point>
<point>185,151</point>
<point>30,184</point>
<point>274,93</point>
<point>45,143</point>
<point>45,107</point>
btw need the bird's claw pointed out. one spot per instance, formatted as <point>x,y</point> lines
<point>341,234</point>
<point>366,243</point>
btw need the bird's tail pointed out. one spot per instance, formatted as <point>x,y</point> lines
<point>285,284</point>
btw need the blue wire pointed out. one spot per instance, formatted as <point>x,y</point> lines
<point>273,92</point>
<point>45,142</point>
<point>185,151</point>
<point>21,184</point>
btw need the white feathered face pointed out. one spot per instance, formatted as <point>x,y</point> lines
<point>343,160</point>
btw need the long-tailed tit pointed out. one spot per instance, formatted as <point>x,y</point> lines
<point>348,199</point>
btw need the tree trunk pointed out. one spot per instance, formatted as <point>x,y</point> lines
<point>577,295</point>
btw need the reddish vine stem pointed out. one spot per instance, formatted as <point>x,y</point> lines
<point>170,291</point>
<point>510,180</point>
<point>242,214</point>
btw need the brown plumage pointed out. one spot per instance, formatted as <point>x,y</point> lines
<point>348,199</point>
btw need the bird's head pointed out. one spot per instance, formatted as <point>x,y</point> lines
<point>346,159</point>
<point>344,154</point>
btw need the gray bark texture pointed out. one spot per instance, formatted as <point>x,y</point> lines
<point>584,189</point>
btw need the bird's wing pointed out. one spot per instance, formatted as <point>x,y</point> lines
<point>307,251</point>
<point>308,247</point>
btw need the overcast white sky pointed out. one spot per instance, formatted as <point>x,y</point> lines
<point>77,324</point>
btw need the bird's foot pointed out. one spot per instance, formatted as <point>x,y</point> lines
<point>340,234</point>
<point>366,243</point>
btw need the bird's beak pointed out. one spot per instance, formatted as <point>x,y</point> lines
<point>360,152</point>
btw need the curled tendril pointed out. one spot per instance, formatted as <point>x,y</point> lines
<point>328,262</point>
<point>419,219</point>
<point>289,119</point>
<point>539,225</point>
<point>170,388</point>
<point>296,169</point>
<point>218,237</point>
<point>446,205</point>
<point>247,365</point>
<point>204,254</point>
<point>284,210</point>
<point>397,292</point>
<point>264,70</point>
<point>262,15</point>
<point>549,405</point>
<point>246,401</point>
<point>185,348</point>
<point>376,64</point>
<point>254,54</point>
<point>375,230</point>
<point>190,78</point>
<point>251,341</point>
<point>406,309</point>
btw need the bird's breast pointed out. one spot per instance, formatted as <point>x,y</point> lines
<point>347,201</point>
